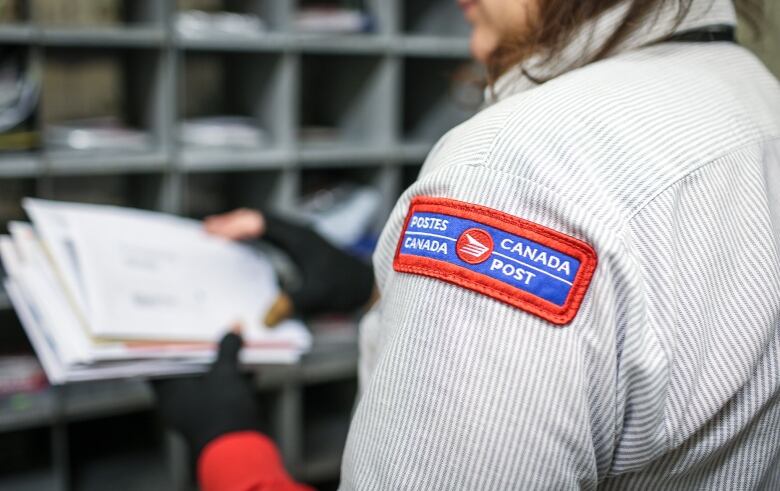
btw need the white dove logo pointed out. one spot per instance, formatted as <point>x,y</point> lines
<point>474,246</point>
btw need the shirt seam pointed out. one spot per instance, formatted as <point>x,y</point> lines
<point>698,168</point>
<point>668,439</point>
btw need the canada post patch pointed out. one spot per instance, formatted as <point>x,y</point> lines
<point>512,260</point>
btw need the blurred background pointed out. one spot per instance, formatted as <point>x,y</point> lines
<point>322,109</point>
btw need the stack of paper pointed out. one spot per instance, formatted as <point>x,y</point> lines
<point>200,24</point>
<point>222,131</point>
<point>107,292</point>
<point>332,20</point>
<point>106,133</point>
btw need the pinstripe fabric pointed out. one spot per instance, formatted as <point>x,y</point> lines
<point>666,159</point>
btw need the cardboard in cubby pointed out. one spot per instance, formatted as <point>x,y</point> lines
<point>14,11</point>
<point>95,13</point>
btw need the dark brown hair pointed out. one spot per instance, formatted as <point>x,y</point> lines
<point>556,22</point>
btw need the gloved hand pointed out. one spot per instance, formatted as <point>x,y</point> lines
<point>206,407</point>
<point>332,280</point>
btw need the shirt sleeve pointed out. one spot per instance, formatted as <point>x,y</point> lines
<point>469,392</point>
<point>244,461</point>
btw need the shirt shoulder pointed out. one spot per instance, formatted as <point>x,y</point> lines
<point>617,133</point>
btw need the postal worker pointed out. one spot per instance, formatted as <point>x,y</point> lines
<point>581,290</point>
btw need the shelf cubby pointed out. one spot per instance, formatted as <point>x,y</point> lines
<point>19,141</point>
<point>11,194</point>
<point>15,22</point>
<point>274,14</point>
<point>377,15</point>
<point>327,411</point>
<point>328,185</point>
<point>433,99</point>
<point>13,340</point>
<point>409,175</point>
<point>208,193</point>
<point>14,12</point>
<point>134,190</point>
<point>434,18</point>
<point>324,178</point>
<point>125,88</point>
<point>100,23</point>
<point>99,463</point>
<point>343,103</point>
<point>250,86</point>
<point>26,460</point>
<point>268,34</point>
<point>97,13</point>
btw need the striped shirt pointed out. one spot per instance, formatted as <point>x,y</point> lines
<point>665,159</point>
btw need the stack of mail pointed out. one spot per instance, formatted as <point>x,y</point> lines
<point>107,292</point>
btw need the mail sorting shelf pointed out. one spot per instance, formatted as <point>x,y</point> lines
<point>244,85</point>
<point>363,108</point>
<point>291,398</point>
<point>128,90</point>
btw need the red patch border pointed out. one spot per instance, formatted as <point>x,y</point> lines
<point>457,275</point>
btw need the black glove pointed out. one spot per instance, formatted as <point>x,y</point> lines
<point>203,408</point>
<point>332,280</point>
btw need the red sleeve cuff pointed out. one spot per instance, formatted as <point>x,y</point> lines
<point>244,461</point>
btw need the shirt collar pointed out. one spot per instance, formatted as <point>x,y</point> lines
<point>590,38</point>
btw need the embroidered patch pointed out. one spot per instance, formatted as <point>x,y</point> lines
<point>512,260</point>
